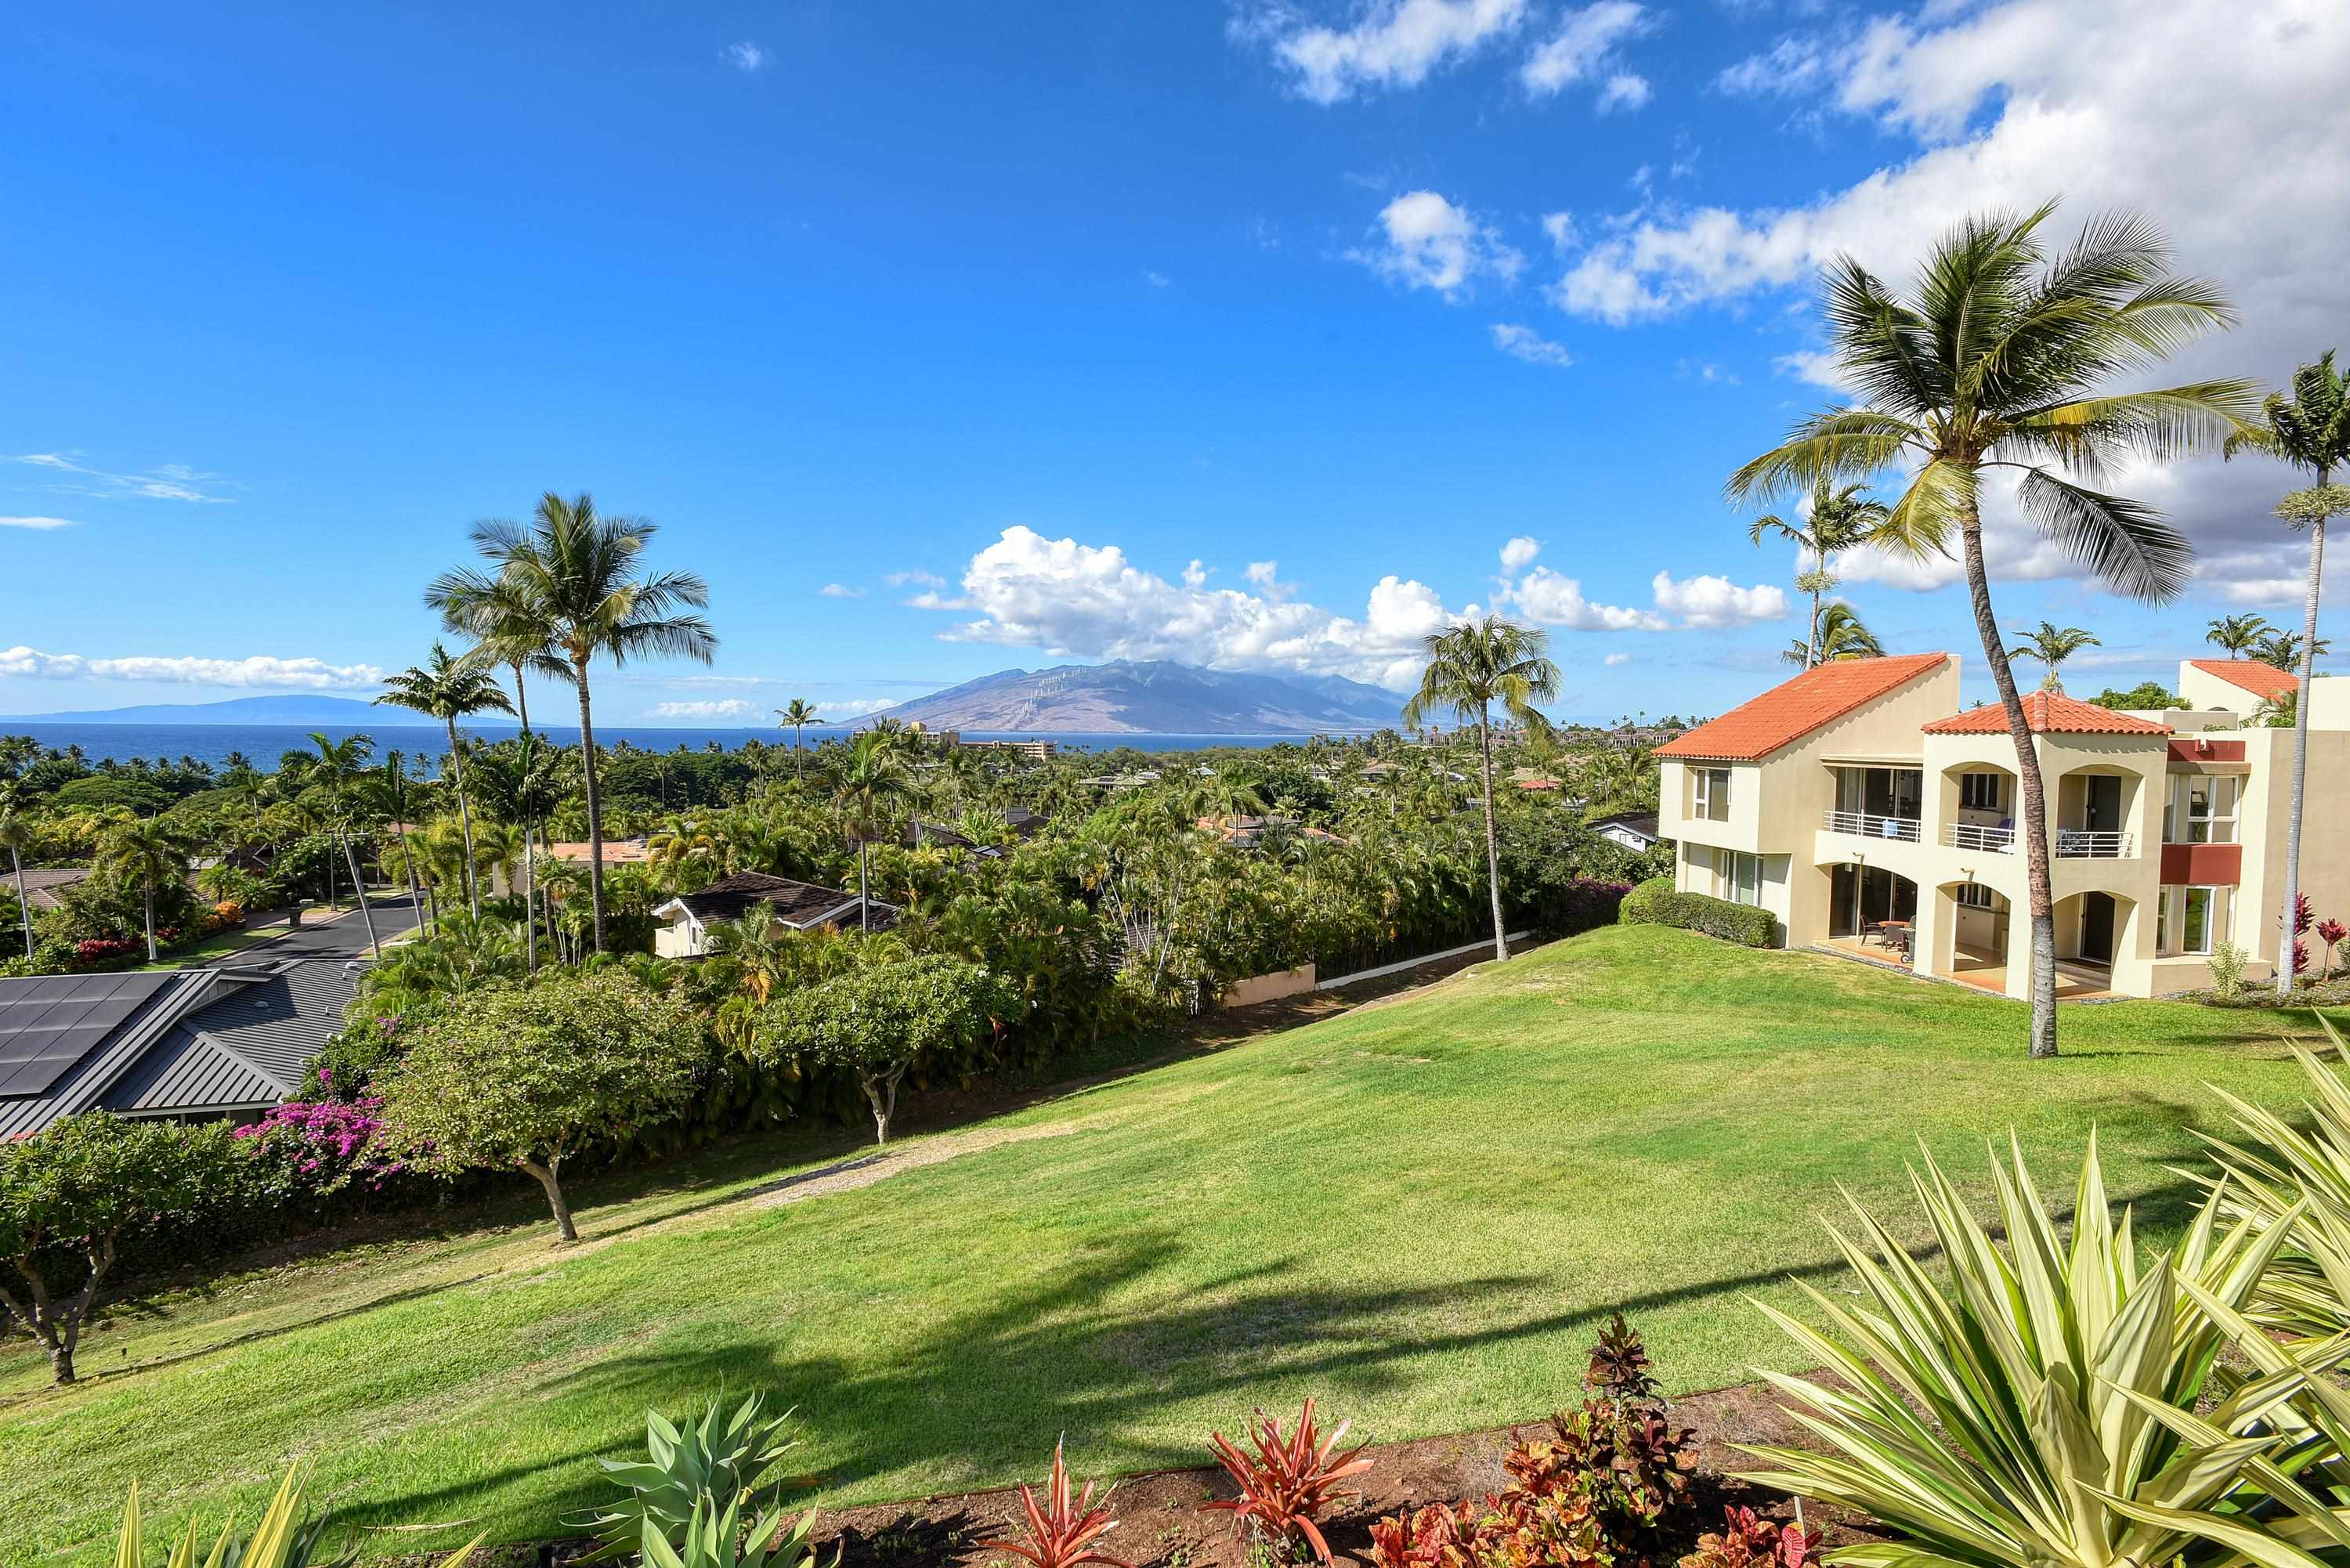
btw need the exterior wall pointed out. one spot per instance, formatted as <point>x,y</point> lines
<point>1269,987</point>
<point>2329,703</point>
<point>2200,689</point>
<point>2325,834</point>
<point>681,938</point>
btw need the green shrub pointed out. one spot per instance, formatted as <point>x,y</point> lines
<point>930,1015</point>
<point>1657,903</point>
<point>2228,961</point>
<point>718,1455</point>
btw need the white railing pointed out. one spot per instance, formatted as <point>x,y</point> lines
<point>2083,844</point>
<point>1973,835</point>
<point>1869,825</point>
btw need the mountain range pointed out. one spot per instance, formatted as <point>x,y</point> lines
<point>1155,697</point>
<point>301,709</point>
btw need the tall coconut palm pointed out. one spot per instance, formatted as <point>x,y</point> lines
<point>522,787</point>
<point>2283,650</point>
<point>2236,634</point>
<point>17,832</point>
<point>508,627</point>
<point>2003,359</point>
<point>873,780</point>
<point>1842,635</point>
<point>2309,430</point>
<point>1471,667</point>
<point>449,690</point>
<point>795,715</point>
<point>335,770</point>
<point>1839,518</point>
<point>149,854</point>
<point>578,571</point>
<point>2051,646</point>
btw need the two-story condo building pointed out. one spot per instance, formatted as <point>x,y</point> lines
<point>1865,811</point>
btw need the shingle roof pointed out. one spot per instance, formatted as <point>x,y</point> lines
<point>1794,709</point>
<point>2047,713</point>
<point>2263,680</point>
<point>798,904</point>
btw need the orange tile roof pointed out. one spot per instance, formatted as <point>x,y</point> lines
<point>1794,709</point>
<point>2047,713</point>
<point>2263,680</point>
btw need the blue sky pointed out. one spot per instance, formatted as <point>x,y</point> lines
<point>1062,321</point>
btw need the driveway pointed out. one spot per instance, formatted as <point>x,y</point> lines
<point>343,936</point>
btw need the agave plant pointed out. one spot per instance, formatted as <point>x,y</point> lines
<point>285,1537</point>
<point>2038,1411</point>
<point>713,1537</point>
<point>1061,1533</point>
<point>1287,1483</point>
<point>726,1459</point>
<point>2279,1171</point>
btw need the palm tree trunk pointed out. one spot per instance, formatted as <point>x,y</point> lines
<point>595,811</point>
<point>358,889</point>
<point>149,894</point>
<point>408,863</point>
<point>529,910</point>
<point>2032,796</point>
<point>1812,633</point>
<point>2300,757</point>
<point>23,910</point>
<point>864,904</point>
<point>1493,848</point>
<point>464,818</point>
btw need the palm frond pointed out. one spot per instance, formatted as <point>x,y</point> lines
<point>2125,542</point>
<point>1836,443</point>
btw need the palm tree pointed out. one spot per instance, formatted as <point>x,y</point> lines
<point>574,567</point>
<point>17,833</point>
<point>522,787</point>
<point>2310,429</point>
<point>390,792</point>
<point>796,716</point>
<point>1470,667</point>
<point>1841,635</point>
<point>2283,651</point>
<point>505,627</point>
<point>338,765</point>
<point>147,852</point>
<point>449,690</point>
<point>1840,518</point>
<point>2052,644</point>
<point>2001,360</point>
<point>872,780</point>
<point>2236,634</point>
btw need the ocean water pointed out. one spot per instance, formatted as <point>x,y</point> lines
<point>264,743</point>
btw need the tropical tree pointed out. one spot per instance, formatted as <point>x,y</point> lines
<point>2052,644</point>
<point>146,853</point>
<point>795,715</point>
<point>335,770</point>
<point>508,627</point>
<point>1841,635</point>
<point>449,690</point>
<point>871,783</point>
<point>2237,634</point>
<point>1469,669</point>
<point>578,571</point>
<point>2001,360</point>
<point>17,832</point>
<point>522,785</point>
<point>2283,651</point>
<point>1838,518</point>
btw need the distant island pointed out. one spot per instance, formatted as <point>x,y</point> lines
<point>1155,697</point>
<point>339,711</point>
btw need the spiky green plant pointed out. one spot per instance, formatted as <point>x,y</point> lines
<point>726,1456</point>
<point>2277,1169</point>
<point>285,1537</point>
<point>2019,1416</point>
<point>714,1537</point>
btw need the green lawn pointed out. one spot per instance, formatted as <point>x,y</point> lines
<point>1415,1212</point>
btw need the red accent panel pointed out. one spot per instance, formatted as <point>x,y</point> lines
<point>2202,865</point>
<point>2193,751</point>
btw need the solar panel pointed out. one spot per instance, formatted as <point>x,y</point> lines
<point>49,1023</point>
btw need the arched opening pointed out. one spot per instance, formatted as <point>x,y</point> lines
<point>1981,814</point>
<point>2092,929</point>
<point>1976,933</point>
<point>2093,808</point>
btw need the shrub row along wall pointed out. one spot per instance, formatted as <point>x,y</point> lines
<point>1656,902</point>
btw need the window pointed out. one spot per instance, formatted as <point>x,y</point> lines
<point>1974,895</point>
<point>1710,794</point>
<point>2202,810</point>
<point>2191,919</point>
<point>1745,879</point>
<point>1981,792</point>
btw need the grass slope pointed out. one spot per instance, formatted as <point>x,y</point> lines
<point>1416,1212</point>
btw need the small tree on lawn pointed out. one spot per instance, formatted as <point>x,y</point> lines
<point>881,1022</point>
<point>523,1079</point>
<point>71,1195</point>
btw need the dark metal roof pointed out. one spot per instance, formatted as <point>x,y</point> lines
<point>796,903</point>
<point>48,1022</point>
<point>166,994</point>
<point>281,1020</point>
<point>186,1073</point>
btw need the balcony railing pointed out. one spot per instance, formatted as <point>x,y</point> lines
<point>2084,844</point>
<point>1973,835</point>
<point>1869,825</point>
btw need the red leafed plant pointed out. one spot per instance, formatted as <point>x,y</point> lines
<point>2331,932</point>
<point>1748,1541</point>
<point>1061,1533</point>
<point>1289,1481</point>
<point>1438,1536</point>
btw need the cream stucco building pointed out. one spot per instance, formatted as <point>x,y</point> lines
<point>1865,810</point>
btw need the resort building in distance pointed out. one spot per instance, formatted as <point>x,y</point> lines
<point>1868,813</point>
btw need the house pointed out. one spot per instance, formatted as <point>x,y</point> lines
<point>44,885</point>
<point>1248,832</point>
<point>1632,829</point>
<point>1865,811</point>
<point>2232,684</point>
<point>802,906</point>
<point>617,852</point>
<point>195,1044</point>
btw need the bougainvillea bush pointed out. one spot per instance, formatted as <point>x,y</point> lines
<point>322,1159</point>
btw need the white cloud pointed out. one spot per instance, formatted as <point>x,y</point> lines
<point>171,481</point>
<point>1625,89</point>
<point>1525,343</point>
<point>1392,43</point>
<point>708,708</point>
<point>1520,553</point>
<point>1560,227</point>
<point>1614,659</point>
<point>1708,602</point>
<point>917,579</point>
<point>260,671</point>
<point>747,57</point>
<point>1426,242</point>
<point>1583,46</point>
<point>1157,279</point>
<point>1072,600</point>
<point>1553,598</point>
<point>41,522</point>
<point>1792,65</point>
<point>840,591</point>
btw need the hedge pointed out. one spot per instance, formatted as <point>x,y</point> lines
<point>1656,903</point>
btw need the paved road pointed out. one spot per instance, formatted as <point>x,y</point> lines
<point>343,937</point>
